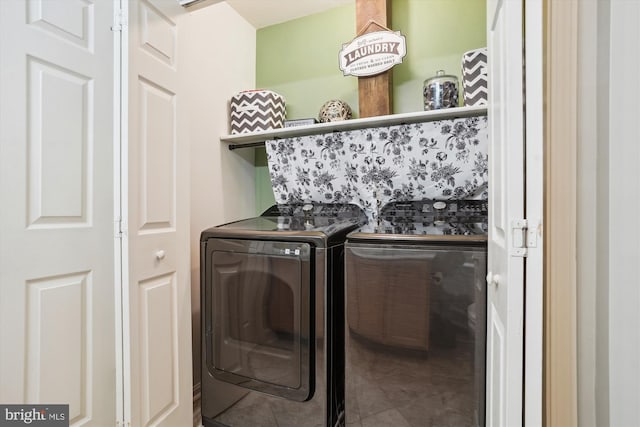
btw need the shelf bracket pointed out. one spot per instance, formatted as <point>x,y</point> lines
<point>248,145</point>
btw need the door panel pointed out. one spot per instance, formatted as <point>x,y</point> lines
<point>60,119</point>
<point>75,23</point>
<point>57,285</point>
<point>158,145</point>
<point>158,353</point>
<point>160,390</point>
<point>60,339</point>
<point>505,278</point>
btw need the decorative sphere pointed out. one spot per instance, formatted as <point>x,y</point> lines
<point>334,110</point>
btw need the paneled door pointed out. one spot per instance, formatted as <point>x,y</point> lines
<point>158,379</point>
<point>57,241</point>
<point>505,269</point>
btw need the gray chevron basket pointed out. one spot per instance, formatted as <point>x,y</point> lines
<point>256,110</point>
<point>474,77</point>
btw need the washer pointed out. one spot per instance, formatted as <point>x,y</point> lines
<point>415,329</point>
<point>272,290</point>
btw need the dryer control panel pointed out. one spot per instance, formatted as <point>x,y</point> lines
<point>337,211</point>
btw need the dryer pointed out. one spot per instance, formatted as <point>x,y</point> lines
<point>272,320</point>
<point>415,315</point>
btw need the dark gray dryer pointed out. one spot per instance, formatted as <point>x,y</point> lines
<point>415,315</point>
<point>272,321</point>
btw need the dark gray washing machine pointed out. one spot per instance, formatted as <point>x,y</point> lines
<point>272,291</point>
<point>415,305</point>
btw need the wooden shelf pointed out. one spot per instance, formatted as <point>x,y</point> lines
<point>246,140</point>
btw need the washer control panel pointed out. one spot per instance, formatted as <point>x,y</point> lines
<point>433,217</point>
<point>440,210</point>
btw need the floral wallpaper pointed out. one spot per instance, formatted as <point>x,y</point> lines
<point>445,159</point>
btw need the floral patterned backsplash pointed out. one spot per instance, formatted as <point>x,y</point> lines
<point>445,159</point>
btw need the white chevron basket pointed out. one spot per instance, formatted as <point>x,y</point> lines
<point>256,110</point>
<point>474,77</point>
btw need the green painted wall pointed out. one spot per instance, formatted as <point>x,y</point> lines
<point>299,59</point>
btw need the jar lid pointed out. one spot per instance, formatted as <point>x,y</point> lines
<point>441,73</point>
<point>441,76</point>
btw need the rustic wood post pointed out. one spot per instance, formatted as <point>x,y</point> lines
<point>374,92</point>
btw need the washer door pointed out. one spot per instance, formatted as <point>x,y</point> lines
<point>259,319</point>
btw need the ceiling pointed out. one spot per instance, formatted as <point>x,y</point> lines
<point>262,13</point>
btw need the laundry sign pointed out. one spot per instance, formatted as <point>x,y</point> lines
<point>372,53</point>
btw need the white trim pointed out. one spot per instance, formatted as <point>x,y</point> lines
<point>534,137</point>
<point>124,214</point>
<point>590,245</point>
<point>117,213</point>
<point>624,202</point>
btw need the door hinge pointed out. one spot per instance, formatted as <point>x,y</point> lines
<point>119,21</point>
<point>524,237</point>
<point>118,228</point>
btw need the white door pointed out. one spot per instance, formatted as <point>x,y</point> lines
<point>157,290</point>
<point>505,277</point>
<point>57,290</point>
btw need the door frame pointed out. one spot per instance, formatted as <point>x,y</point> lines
<point>534,25</point>
<point>560,198</point>
<point>559,25</point>
<point>120,64</point>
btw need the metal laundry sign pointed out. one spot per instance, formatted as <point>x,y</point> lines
<point>372,53</point>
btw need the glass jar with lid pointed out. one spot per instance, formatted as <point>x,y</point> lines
<point>440,91</point>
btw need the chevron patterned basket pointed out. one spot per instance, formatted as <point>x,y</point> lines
<point>474,77</point>
<point>256,110</point>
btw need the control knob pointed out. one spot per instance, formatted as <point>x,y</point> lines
<point>439,206</point>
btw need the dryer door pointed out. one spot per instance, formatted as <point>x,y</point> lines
<point>258,313</point>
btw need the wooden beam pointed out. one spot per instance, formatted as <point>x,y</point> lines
<point>374,92</point>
